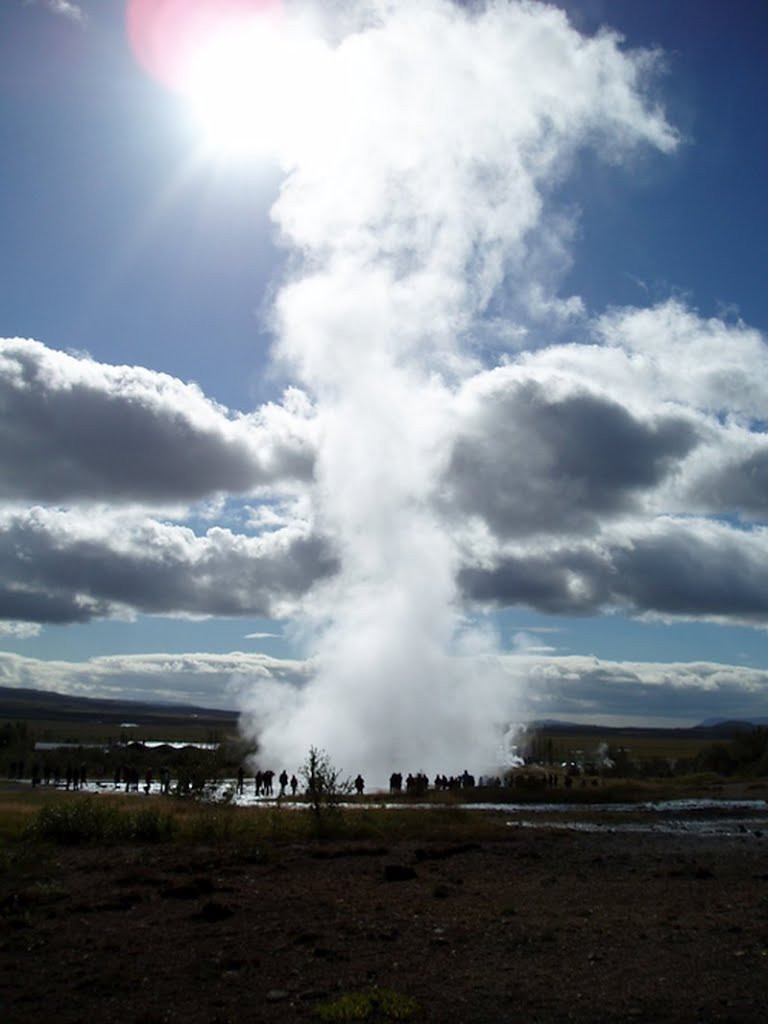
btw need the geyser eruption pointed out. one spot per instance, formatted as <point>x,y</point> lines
<point>416,200</point>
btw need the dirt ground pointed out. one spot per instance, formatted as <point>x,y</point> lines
<point>541,926</point>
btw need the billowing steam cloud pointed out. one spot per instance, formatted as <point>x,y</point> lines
<point>420,206</point>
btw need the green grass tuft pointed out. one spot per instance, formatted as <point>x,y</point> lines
<point>376,1004</point>
<point>86,822</point>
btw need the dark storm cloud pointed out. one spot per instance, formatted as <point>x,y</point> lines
<point>740,484</point>
<point>697,571</point>
<point>57,569</point>
<point>690,569</point>
<point>529,461</point>
<point>22,603</point>
<point>559,582</point>
<point>73,429</point>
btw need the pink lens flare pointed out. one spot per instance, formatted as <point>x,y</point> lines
<point>164,33</point>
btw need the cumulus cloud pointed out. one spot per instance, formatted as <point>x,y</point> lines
<point>608,450</point>
<point>540,455</point>
<point>59,566</point>
<point>73,429</point>
<point>627,471</point>
<point>19,630</point>
<point>667,568</point>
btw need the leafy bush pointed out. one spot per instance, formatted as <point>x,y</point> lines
<point>324,789</point>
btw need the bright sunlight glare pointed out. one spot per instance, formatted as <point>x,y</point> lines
<point>245,71</point>
<point>240,86</point>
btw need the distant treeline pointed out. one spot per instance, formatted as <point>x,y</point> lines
<point>747,754</point>
<point>654,754</point>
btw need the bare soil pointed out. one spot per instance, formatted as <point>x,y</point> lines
<point>539,927</point>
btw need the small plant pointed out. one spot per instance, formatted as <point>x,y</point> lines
<point>324,789</point>
<point>376,1004</point>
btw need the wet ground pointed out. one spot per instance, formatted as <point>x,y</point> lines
<point>726,816</point>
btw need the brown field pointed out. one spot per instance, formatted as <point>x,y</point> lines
<point>51,730</point>
<point>641,745</point>
<point>444,916</point>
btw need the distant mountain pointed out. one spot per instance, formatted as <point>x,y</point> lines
<point>713,728</point>
<point>30,704</point>
<point>731,723</point>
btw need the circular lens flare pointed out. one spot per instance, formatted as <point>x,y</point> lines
<point>165,34</point>
<point>239,66</point>
<point>233,86</point>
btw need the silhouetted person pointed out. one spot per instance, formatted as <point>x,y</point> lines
<point>294,785</point>
<point>283,780</point>
<point>359,785</point>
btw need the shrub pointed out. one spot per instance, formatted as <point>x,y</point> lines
<point>324,789</point>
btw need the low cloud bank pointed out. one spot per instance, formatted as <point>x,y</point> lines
<point>570,688</point>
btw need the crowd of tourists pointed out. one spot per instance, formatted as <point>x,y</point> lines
<point>267,783</point>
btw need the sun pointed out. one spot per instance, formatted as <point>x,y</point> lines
<point>234,88</point>
<point>234,63</point>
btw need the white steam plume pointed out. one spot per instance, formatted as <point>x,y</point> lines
<point>417,197</point>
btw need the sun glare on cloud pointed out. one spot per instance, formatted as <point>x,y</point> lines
<point>238,65</point>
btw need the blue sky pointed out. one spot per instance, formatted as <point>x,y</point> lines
<point>590,466</point>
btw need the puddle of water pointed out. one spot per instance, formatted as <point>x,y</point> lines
<point>754,828</point>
